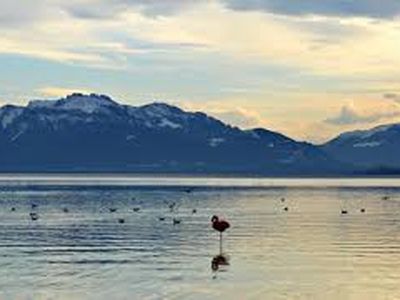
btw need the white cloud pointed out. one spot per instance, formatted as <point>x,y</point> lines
<point>228,111</point>
<point>348,116</point>
<point>362,47</point>
<point>369,8</point>
<point>53,91</point>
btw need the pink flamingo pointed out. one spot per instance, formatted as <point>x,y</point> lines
<point>219,225</point>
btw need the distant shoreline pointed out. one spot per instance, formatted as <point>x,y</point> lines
<point>199,175</point>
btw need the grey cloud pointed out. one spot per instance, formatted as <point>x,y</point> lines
<point>348,116</point>
<point>392,96</point>
<point>378,9</point>
<point>15,13</point>
<point>112,8</point>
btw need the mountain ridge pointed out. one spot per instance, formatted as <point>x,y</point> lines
<point>93,132</point>
<point>372,149</point>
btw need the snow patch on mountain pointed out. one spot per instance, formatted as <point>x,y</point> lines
<point>42,103</point>
<point>85,103</point>
<point>365,134</point>
<point>130,137</point>
<point>367,145</point>
<point>215,142</point>
<point>9,115</point>
<point>167,123</point>
<point>253,134</point>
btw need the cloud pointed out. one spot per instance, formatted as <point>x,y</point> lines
<point>345,8</point>
<point>105,9</point>
<point>228,111</point>
<point>53,91</point>
<point>393,97</point>
<point>239,117</point>
<point>16,13</point>
<point>105,33</point>
<point>348,116</point>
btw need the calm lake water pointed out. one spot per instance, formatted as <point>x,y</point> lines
<point>311,251</point>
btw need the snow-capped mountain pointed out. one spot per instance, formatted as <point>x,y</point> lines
<point>375,148</point>
<point>95,133</point>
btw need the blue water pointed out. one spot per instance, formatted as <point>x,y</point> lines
<point>311,251</point>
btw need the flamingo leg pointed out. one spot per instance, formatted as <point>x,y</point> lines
<point>220,243</point>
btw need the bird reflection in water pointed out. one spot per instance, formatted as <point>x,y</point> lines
<point>219,261</point>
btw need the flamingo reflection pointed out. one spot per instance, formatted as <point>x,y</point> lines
<point>219,261</point>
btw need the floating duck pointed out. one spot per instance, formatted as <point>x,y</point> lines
<point>34,216</point>
<point>176,221</point>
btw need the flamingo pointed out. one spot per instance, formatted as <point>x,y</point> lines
<point>219,225</point>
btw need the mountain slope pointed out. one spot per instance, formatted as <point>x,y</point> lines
<point>94,133</point>
<point>374,148</point>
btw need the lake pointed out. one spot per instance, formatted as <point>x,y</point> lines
<point>113,237</point>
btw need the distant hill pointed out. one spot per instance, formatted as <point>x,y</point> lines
<point>93,133</point>
<point>377,150</point>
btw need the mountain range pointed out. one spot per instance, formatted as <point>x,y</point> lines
<point>93,133</point>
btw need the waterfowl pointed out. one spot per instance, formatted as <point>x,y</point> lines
<point>176,221</point>
<point>219,225</point>
<point>171,206</point>
<point>34,216</point>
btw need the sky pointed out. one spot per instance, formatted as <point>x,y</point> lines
<point>308,69</point>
